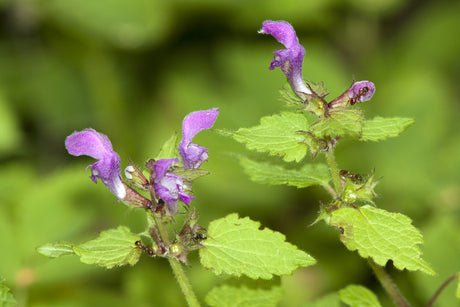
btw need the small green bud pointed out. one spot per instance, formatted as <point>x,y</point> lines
<point>175,249</point>
<point>154,249</point>
<point>179,252</point>
<point>349,195</point>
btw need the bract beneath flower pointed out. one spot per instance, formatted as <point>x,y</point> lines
<point>290,59</point>
<point>192,154</point>
<point>168,186</point>
<point>91,143</point>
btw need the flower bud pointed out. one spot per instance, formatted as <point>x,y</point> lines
<point>133,174</point>
<point>359,92</point>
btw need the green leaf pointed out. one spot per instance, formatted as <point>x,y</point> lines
<point>380,128</point>
<point>227,296</point>
<point>359,296</point>
<point>237,246</point>
<point>190,173</point>
<point>278,135</point>
<point>289,97</point>
<point>6,297</point>
<point>381,235</point>
<point>169,148</point>
<point>263,172</point>
<point>113,247</point>
<point>55,250</point>
<point>340,122</point>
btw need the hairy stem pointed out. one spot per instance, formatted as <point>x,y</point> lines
<point>178,271</point>
<point>184,283</point>
<point>333,169</point>
<point>162,229</point>
<point>443,286</point>
<point>388,284</point>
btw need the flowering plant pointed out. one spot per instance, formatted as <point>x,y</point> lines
<point>237,246</point>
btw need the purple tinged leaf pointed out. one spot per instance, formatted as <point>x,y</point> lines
<point>192,154</point>
<point>91,143</point>
<point>289,59</point>
<point>168,186</point>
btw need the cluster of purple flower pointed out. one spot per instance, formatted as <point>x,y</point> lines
<point>290,61</point>
<point>168,186</point>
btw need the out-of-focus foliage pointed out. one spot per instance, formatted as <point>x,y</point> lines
<point>133,69</point>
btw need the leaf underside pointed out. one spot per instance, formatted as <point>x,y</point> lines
<point>267,173</point>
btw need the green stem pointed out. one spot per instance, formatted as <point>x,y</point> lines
<point>184,283</point>
<point>178,271</point>
<point>333,169</point>
<point>443,286</point>
<point>388,284</point>
<point>162,229</point>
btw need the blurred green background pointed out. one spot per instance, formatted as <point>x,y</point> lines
<point>132,69</point>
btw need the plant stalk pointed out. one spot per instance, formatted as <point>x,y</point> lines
<point>333,169</point>
<point>184,283</point>
<point>388,284</point>
<point>176,266</point>
<point>443,286</point>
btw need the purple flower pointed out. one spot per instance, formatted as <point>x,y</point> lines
<point>192,154</point>
<point>289,59</point>
<point>169,186</point>
<point>91,143</point>
<point>359,92</point>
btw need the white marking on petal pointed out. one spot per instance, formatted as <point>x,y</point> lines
<point>128,170</point>
<point>118,188</point>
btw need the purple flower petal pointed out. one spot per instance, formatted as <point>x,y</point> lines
<point>192,154</point>
<point>169,186</point>
<point>96,145</point>
<point>358,92</point>
<point>289,59</point>
<point>361,91</point>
